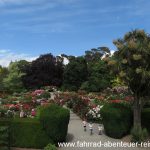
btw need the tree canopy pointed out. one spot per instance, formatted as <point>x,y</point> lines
<point>133,61</point>
<point>45,70</point>
<point>75,73</point>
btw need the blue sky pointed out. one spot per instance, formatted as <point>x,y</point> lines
<point>29,28</point>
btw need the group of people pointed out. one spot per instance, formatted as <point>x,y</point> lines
<point>100,127</point>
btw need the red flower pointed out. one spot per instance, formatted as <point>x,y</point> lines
<point>93,106</point>
<point>115,101</point>
<point>26,106</point>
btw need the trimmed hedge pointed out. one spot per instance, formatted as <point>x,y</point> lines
<point>54,120</point>
<point>146,118</point>
<point>51,127</point>
<point>26,132</point>
<point>117,119</point>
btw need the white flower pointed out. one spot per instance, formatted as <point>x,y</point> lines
<point>101,106</point>
<point>98,115</point>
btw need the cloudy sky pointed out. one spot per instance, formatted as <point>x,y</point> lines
<point>29,28</point>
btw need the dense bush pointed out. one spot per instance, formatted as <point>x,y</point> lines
<point>54,120</point>
<point>4,138</point>
<point>80,106</point>
<point>146,118</point>
<point>50,147</point>
<point>26,133</point>
<point>117,119</point>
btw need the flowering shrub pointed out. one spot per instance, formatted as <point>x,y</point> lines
<point>81,106</point>
<point>94,113</point>
<point>120,89</point>
<point>37,92</point>
<point>116,101</point>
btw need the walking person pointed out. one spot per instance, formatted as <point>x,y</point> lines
<point>100,129</point>
<point>84,124</point>
<point>91,128</point>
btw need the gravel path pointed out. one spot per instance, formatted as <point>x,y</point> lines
<point>76,133</point>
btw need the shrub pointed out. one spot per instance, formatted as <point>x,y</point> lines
<point>2,112</point>
<point>44,95</point>
<point>54,120</point>
<point>26,132</point>
<point>139,134</point>
<point>146,118</point>
<point>4,138</point>
<point>117,119</point>
<point>80,106</point>
<point>50,147</point>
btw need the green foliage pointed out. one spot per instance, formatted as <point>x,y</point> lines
<point>95,54</point>
<point>117,82</point>
<point>139,134</point>
<point>117,119</point>
<point>2,112</point>
<point>26,132</point>
<point>80,106</point>
<point>4,137</point>
<point>133,64</point>
<point>54,120</point>
<point>44,95</point>
<point>75,73</point>
<point>132,59</point>
<point>3,74</point>
<point>50,147</point>
<point>12,82</point>
<point>99,77</point>
<point>146,118</point>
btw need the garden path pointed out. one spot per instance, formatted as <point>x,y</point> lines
<point>76,133</point>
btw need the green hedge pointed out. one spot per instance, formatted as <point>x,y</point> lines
<point>117,119</point>
<point>146,118</point>
<point>50,147</point>
<point>54,120</point>
<point>4,138</point>
<point>51,127</point>
<point>26,132</point>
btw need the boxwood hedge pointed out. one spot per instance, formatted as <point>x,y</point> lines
<point>117,119</point>
<point>26,132</point>
<point>54,120</point>
<point>50,126</point>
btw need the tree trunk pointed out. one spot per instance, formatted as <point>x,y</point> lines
<point>137,112</point>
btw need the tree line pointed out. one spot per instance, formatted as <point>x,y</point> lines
<point>89,72</point>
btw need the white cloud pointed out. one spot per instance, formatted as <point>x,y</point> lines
<point>66,61</point>
<point>3,51</point>
<point>6,56</point>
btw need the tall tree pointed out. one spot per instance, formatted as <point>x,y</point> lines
<point>98,78</point>
<point>98,72</point>
<point>45,70</point>
<point>133,61</point>
<point>3,74</point>
<point>12,82</point>
<point>75,73</point>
